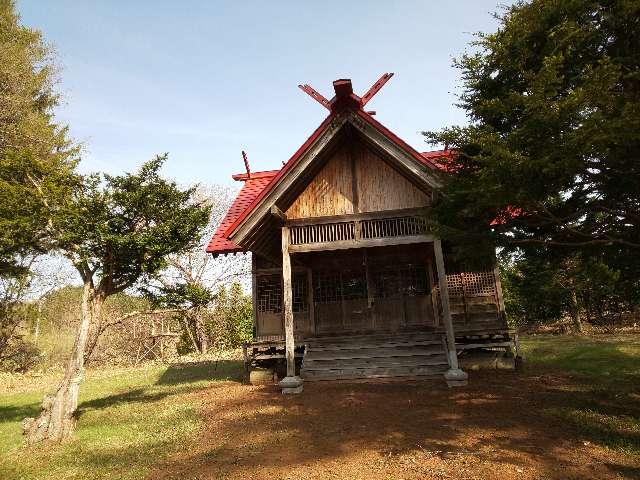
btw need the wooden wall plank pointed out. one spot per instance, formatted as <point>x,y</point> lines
<point>329,193</point>
<point>356,179</point>
<point>381,187</point>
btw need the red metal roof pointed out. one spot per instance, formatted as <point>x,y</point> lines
<point>440,159</point>
<point>254,184</point>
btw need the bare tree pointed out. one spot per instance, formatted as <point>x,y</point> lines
<point>195,267</point>
<point>42,274</point>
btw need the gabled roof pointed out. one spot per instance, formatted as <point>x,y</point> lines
<point>345,107</point>
<point>257,182</point>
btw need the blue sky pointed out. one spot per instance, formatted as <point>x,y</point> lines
<point>205,80</point>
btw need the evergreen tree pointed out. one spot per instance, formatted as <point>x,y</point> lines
<point>36,156</point>
<point>116,231</point>
<point>551,157</point>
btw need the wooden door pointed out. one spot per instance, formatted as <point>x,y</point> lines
<point>387,314</point>
<point>327,302</point>
<point>401,296</point>
<point>355,312</point>
<point>268,306</point>
<point>328,317</point>
<point>340,301</point>
<point>418,311</point>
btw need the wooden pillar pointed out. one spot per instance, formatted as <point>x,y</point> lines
<point>291,383</point>
<point>454,375</point>
<point>287,304</point>
<point>501,312</point>
<point>433,293</point>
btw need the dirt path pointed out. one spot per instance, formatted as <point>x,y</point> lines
<point>491,429</point>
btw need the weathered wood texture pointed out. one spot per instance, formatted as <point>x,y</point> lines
<point>475,300</point>
<point>287,304</point>
<point>391,288</point>
<point>374,356</point>
<point>356,182</point>
<point>268,303</point>
<point>379,289</point>
<point>395,229</point>
<point>444,299</point>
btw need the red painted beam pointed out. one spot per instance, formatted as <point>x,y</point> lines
<point>315,95</point>
<point>376,87</point>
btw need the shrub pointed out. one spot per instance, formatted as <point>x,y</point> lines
<point>20,356</point>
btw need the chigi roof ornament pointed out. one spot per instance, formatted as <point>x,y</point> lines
<point>344,97</point>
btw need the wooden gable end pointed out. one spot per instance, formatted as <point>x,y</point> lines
<point>357,180</point>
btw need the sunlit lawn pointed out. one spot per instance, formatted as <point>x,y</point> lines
<point>128,419</point>
<point>605,371</point>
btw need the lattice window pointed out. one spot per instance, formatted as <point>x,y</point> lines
<point>336,286</point>
<point>455,285</point>
<point>404,280</point>
<point>388,283</point>
<point>479,283</point>
<point>300,292</point>
<point>354,285</point>
<point>327,287</point>
<point>269,293</point>
<point>414,280</point>
<point>471,284</point>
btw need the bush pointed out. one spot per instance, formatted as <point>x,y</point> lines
<point>20,356</point>
<point>231,322</point>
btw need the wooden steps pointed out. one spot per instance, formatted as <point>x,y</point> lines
<point>374,356</point>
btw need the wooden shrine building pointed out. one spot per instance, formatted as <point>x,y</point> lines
<point>348,281</point>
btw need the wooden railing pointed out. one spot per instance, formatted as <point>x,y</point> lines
<point>322,233</point>
<point>394,227</point>
<point>345,232</point>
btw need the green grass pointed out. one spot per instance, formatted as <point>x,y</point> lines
<point>605,359</point>
<point>129,420</point>
<point>603,399</point>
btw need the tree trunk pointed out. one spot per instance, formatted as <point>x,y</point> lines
<point>186,322</point>
<point>36,332</point>
<point>201,333</point>
<point>57,419</point>
<point>575,313</point>
<point>95,331</point>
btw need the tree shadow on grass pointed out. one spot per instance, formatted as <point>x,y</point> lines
<point>15,413</point>
<point>138,395</point>
<point>178,378</point>
<point>192,372</point>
